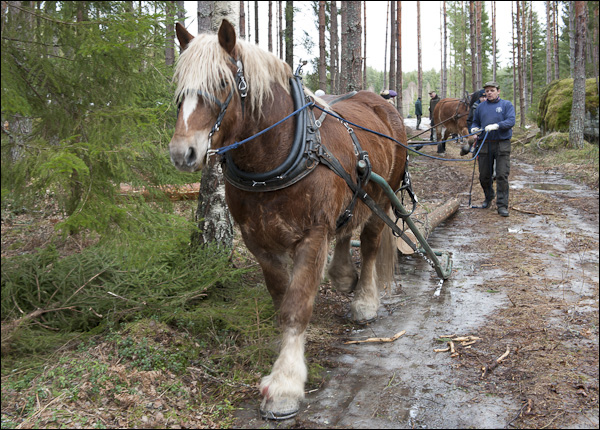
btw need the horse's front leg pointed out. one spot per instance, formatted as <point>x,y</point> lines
<point>283,389</point>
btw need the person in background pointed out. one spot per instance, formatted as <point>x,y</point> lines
<point>388,95</point>
<point>480,98</point>
<point>434,101</point>
<point>497,118</point>
<point>418,111</point>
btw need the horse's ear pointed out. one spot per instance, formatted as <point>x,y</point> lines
<point>183,35</point>
<point>227,36</point>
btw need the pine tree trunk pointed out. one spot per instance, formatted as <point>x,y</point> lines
<point>514,62</point>
<point>364,57</point>
<point>334,41</point>
<point>520,67</point>
<point>256,22</point>
<point>494,65</point>
<point>280,31</point>
<point>576,124</point>
<point>392,45</point>
<point>242,21</point>
<point>444,64</point>
<point>571,39</point>
<point>555,43</point>
<point>270,29</point>
<point>170,33</point>
<point>399,77</point>
<point>472,24</point>
<point>548,44</point>
<point>419,54</point>
<point>322,60</point>
<point>289,33</point>
<point>387,19</point>
<point>353,59</point>
<point>479,42</point>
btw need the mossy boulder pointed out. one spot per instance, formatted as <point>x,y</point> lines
<point>555,108</point>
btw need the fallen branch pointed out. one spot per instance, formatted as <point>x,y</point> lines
<point>531,212</point>
<point>503,356</point>
<point>377,339</point>
<point>486,369</point>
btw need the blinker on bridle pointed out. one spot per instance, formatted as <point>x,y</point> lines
<point>242,87</point>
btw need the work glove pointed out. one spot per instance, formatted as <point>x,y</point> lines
<point>492,127</point>
<point>475,130</point>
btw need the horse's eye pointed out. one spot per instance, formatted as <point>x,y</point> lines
<point>178,108</point>
<point>223,83</point>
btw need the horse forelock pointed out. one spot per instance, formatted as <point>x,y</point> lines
<point>204,64</point>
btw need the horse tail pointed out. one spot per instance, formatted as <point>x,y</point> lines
<point>385,263</point>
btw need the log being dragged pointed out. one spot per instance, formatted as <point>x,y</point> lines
<point>432,220</point>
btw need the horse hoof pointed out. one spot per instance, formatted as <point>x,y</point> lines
<point>278,410</point>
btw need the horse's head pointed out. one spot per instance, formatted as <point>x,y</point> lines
<point>222,83</point>
<point>211,85</point>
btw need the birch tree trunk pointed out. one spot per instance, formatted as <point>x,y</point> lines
<point>214,220</point>
<point>576,124</point>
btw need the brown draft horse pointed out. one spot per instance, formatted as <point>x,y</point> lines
<point>288,230</point>
<point>451,114</point>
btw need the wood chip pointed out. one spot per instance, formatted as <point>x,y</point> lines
<point>377,339</point>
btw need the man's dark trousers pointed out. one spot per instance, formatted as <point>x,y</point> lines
<point>500,152</point>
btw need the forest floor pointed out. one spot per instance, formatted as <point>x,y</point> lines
<point>525,288</point>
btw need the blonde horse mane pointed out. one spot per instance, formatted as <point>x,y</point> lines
<point>204,65</point>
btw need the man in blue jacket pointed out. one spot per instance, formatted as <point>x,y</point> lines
<point>497,118</point>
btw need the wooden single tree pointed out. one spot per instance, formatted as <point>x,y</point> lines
<point>578,108</point>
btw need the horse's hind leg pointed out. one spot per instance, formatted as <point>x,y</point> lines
<point>366,295</point>
<point>283,389</point>
<point>341,271</point>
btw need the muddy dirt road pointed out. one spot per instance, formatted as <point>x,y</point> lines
<point>526,284</point>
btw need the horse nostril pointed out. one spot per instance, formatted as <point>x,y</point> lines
<point>190,156</point>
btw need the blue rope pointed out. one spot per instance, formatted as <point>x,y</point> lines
<point>406,146</point>
<point>234,145</point>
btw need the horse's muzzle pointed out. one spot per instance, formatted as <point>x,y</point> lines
<point>186,159</point>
